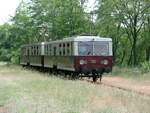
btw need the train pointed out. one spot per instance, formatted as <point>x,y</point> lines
<point>81,56</point>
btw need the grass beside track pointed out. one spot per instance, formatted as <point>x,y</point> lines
<point>130,72</point>
<point>28,91</point>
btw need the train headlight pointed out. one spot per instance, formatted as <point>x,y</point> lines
<point>105,62</point>
<point>82,62</point>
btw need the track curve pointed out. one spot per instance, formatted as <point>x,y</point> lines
<point>119,87</point>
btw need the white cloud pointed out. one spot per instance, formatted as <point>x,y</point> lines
<point>90,5</point>
<point>7,9</point>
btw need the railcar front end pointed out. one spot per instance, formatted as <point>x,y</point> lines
<point>94,57</point>
<point>93,64</point>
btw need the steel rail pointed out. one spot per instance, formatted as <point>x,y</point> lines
<point>119,87</point>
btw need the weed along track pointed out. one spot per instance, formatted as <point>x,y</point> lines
<point>40,91</point>
<point>111,82</point>
<point>111,85</point>
<point>125,89</point>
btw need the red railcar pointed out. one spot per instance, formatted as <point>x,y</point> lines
<point>86,56</point>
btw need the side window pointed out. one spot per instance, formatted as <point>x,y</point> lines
<point>57,50</point>
<point>28,52</point>
<point>68,49</point>
<point>63,49</point>
<point>72,50</point>
<point>60,50</point>
<point>32,50</point>
<point>50,50</point>
<point>23,51</point>
<point>37,50</point>
<point>54,51</point>
<point>40,50</point>
<point>45,49</point>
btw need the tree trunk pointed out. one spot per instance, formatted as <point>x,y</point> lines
<point>148,53</point>
<point>134,40</point>
<point>134,51</point>
<point>123,56</point>
<point>148,48</point>
<point>129,61</point>
<point>115,41</point>
<point>71,19</point>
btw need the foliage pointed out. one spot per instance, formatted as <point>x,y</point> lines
<point>127,72</point>
<point>126,22</point>
<point>40,20</point>
<point>145,66</point>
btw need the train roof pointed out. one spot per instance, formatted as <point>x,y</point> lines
<point>35,43</point>
<point>81,38</point>
<point>86,38</point>
<point>74,39</point>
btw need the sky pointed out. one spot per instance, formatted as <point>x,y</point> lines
<point>8,7</point>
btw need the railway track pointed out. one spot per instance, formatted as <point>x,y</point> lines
<point>119,87</point>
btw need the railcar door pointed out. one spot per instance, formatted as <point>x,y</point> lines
<point>27,56</point>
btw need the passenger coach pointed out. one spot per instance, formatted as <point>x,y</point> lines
<point>86,56</point>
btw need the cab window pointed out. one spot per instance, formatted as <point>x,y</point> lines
<point>85,48</point>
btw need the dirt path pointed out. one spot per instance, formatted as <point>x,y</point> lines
<point>133,85</point>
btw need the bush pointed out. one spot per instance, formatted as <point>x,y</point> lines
<point>15,60</point>
<point>145,66</point>
<point>126,71</point>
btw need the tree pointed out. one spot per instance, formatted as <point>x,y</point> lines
<point>40,20</point>
<point>130,16</point>
<point>62,18</point>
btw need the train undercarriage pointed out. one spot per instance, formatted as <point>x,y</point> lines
<point>68,74</point>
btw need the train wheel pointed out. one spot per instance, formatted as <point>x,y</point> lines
<point>100,77</point>
<point>94,78</point>
<point>74,76</point>
<point>23,66</point>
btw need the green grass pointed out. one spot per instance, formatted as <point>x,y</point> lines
<point>28,91</point>
<point>126,71</point>
<point>130,72</point>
